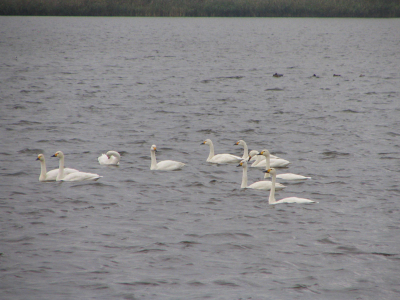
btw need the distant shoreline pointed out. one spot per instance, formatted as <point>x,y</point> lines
<point>204,8</point>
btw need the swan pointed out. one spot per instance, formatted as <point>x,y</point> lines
<point>245,149</point>
<point>110,158</point>
<point>275,162</point>
<point>272,200</point>
<point>76,176</point>
<point>259,185</point>
<point>51,175</point>
<point>220,158</point>
<point>285,176</point>
<point>165,165</point>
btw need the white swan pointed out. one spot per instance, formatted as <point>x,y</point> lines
<point>285,176</point>
<point>110,158</point>
<point>259,185</point>
<point>220,158</point>
<point>245,149</point>
<point>260,162</point>
<point>165,165</point>
<point>272,200</point>
<point>51,175</point>
<point>76,176</point>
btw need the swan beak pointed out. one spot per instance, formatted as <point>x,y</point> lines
<point>267,171</point>
<point>38,158</point>
<point>249,158</point>
<point>237,143</point>
<point>240,164</point>
<point>55,155</point>
<point>202,143</point>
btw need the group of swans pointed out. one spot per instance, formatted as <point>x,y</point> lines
<point>262,159</point>
<point>62,173</point>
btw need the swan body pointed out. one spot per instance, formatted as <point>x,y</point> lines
<point>285,176</point>
<point>273,201</point>
<point>165,165</point>
<point>259,185</point>
<point>245,149</point>
<point>220,158</point>
<point>50,175</point>
<point>75,176</point>
<point>110,158</point>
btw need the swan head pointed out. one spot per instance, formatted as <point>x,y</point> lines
<point>243,163</point>
<point>270,171</point>
<point>206,142</point>
<point>58,154</point>
<point>253,153</point>
<point>153,148</point>
<point>265,152</point>
<point>40,157</point>
<point>240,142</point>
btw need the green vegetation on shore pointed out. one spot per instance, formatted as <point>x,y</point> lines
<point>204,8</point>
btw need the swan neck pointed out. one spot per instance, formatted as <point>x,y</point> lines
<point>245,152</point>
<point>43,170</point>
<point>267,166</point>
<point>211,155</point>
<point>271,199</point>
<point>153,165</point>
<point>60,174</point>
<point>116,154</point>
<point>244,177</point>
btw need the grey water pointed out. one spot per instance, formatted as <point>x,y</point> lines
<point>88,85</point>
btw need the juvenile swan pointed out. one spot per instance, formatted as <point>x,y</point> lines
<point>271,199</point>
<point>285,176</point>
<point>76,176</point>
<point>259,185</point>
<point>110,158</point>
<point>51,175</point>
<point>220,158</point>
<point>165,165</point>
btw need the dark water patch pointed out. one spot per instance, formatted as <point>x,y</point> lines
<point>30,151</point>
<point>225,283</point>
<point>385,254</point>
<point>275,90</point>
<point>17,174</point>
<point>334,154</point>
<point>196,283</point>
<point>393,134</point>
<point>351,111</point>
<point>26,123</point>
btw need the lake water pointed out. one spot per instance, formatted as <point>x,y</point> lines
<point>89,85</point>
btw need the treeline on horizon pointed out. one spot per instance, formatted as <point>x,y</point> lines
<point>204,8</point>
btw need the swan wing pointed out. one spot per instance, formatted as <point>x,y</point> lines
<point>265,185</point>
<point>52,175</point>
<point>274,163</point>
<point>279,163</point>
<point>224,159</point>
<point>295,200</point>
<point>291,176</point>
<point>103,159</point>
<point>169,165</point>
<point>81,176</point>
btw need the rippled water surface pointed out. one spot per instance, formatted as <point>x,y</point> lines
<point>89,85</point>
